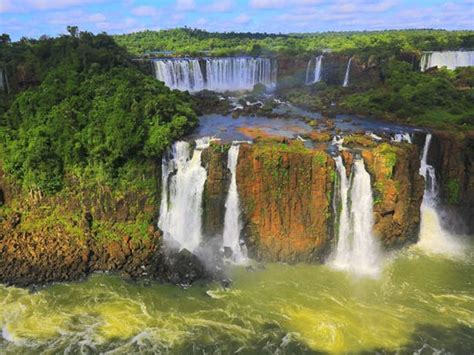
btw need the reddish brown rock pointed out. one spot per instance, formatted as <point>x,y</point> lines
<point>285,195</point>
<point>398,192</point>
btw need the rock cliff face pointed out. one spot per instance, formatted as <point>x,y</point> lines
<point>214,160</point>
<point>364,72</point>
<point>398,190</point>
<point>85,229</point>
<point>285,194</point>
<point>452,156</point>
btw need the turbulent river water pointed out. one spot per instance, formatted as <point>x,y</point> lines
<point>420,302</point>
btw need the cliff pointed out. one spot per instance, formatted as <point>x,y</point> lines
<point>452,156</point>
<point>87,227</point>
<point>287,208</point>
<point>365,72</point>
<point>285,191</point>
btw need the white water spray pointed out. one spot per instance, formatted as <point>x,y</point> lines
<point>357,249</point>
<point>181,202</point>
<point>348,72</point>
<point>449,59</point>
<point>434,239</point>
<point>402,137</point>
<point>232,221</point>
<point>217,74</point>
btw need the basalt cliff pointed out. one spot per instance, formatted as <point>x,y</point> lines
<point>288,201</point>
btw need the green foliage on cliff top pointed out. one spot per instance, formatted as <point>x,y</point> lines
<point>379,43</point>
<point>440,98</point>
<point>88,106</point>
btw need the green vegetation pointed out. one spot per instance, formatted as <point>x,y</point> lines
<point>187,41</point>
<point>440,98</point>
<point>453,190</point>
<point>80,106</point>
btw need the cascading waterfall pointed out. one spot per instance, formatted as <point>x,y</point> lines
<point>217,74</point>
<point>433,237</point>
<point>402,137</point>
<point>183,183</point>
<point>448,59</point>
<point>314,76</point>
<point>181,74</point>
<point>357,249</point>
<point>232,221</point>
<point>348,72</point>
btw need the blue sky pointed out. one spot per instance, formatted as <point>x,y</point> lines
<point>33,18</point>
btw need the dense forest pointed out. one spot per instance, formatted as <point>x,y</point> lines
<point>78,104</point>
<point>187,41</point>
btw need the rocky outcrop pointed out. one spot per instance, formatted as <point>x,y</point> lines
<point>285,192</point>
<point>398,192</point>
<point>364,71</point>
<point>396,184</point>
<point>452,156</point>
<point>217,183</point>
<point>85,229</point>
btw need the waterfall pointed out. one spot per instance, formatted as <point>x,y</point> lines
<point>348,71</point>
<point>311,79</point>
<point>181,74</point>
<point>183,179</point>
<point>217,74</point>
<point>232,222</point>
<point>357,249</point>
<point>402,137</point>
<point>433,237</point>
<point>448,59</point>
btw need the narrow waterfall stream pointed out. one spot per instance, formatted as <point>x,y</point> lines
<point>232,221</point>
<point>314,76</point>
<point>433,237</point>
<point>348,73</point>
<point>357,249</point>
<point>183,184</point>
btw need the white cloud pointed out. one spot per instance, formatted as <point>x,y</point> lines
<point>268,4</point>
<point>201,21</point>
<point>220,6</point>
<point>242,19</point>
<point>78,17</point>
<point>146,11</point>
<point>277,4</point>
<point>7,6</point>
<point>185,5</point>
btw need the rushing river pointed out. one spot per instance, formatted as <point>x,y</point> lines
<point>419,302</point>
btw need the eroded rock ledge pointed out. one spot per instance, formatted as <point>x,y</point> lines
<point>287,200</point>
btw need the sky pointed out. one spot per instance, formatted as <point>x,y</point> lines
<point>33,18</point>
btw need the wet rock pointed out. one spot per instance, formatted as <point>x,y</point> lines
<point>184,268</point>
<point>228,252</point>
<point>250,268</point>
<point>226,283</point>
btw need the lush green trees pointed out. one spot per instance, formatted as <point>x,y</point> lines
<point>439,98</point>
<point>186,41</point>
<point>93,110</point>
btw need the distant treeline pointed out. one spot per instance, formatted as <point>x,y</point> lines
<point>187,41</point>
